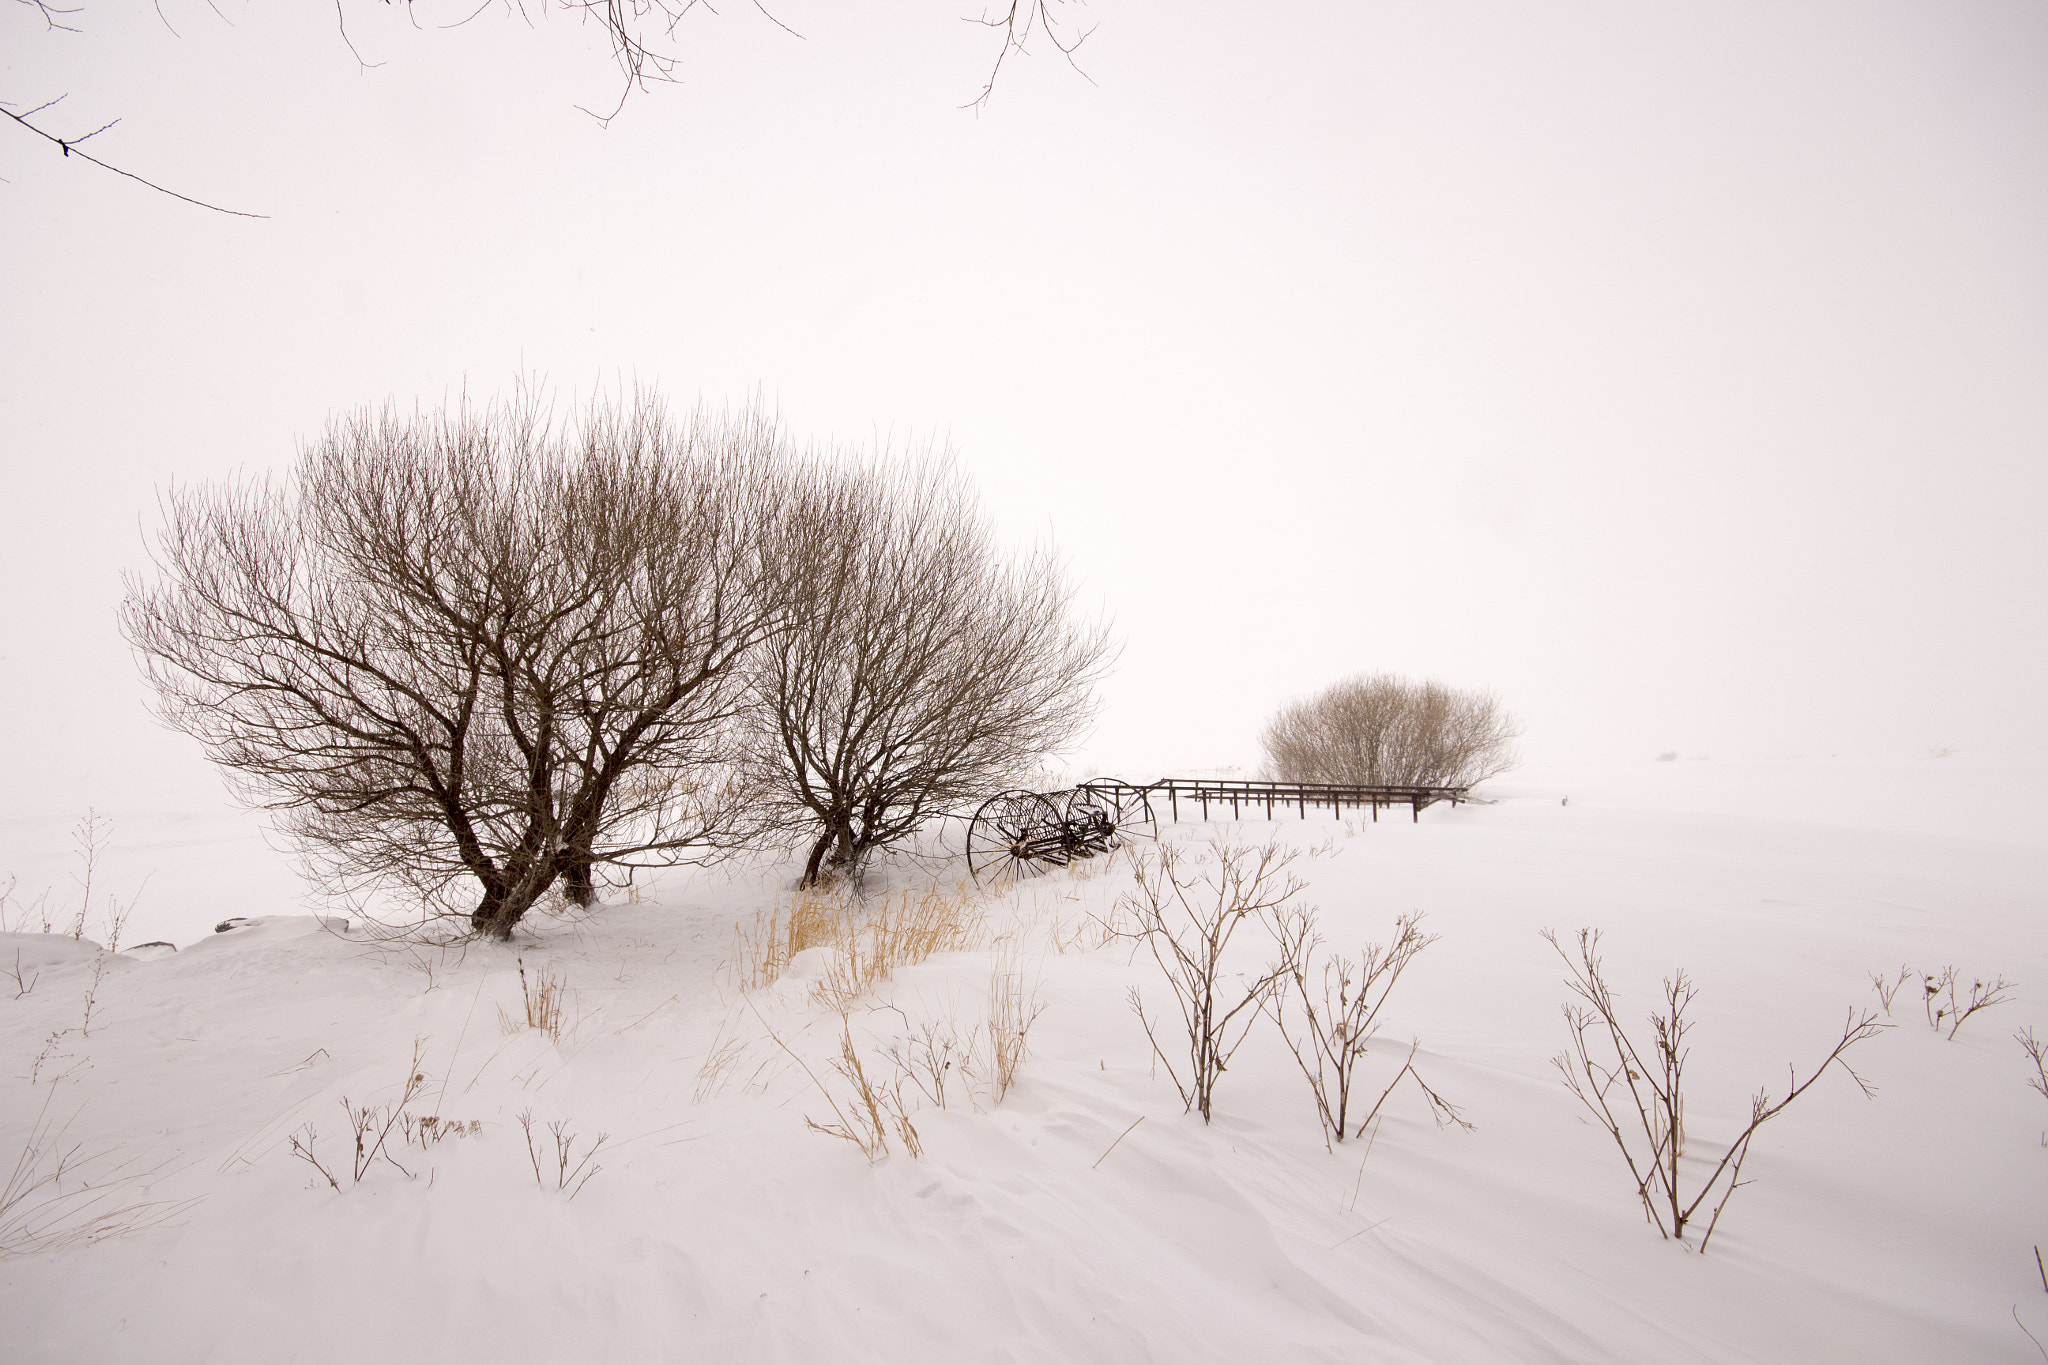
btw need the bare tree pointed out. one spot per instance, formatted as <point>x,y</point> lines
<point>1384,730</point>
<point>482,646</point>
<point>916,668</point>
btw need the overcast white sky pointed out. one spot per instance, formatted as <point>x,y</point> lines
<point>1678,371</point>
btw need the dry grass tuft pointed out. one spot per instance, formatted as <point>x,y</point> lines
<point>543,995</point>
<point>57,1195</point>
<point>872,938</point>
<point>1012,1008</point>
<point>761,953</point>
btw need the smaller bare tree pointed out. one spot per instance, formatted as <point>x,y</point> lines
<point>913,668</point>
<point>1187,920</point>
<point>1339,1016</point>
<point>1637,1095</point>
<point>1384,730</point>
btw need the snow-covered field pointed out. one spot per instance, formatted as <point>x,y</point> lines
<point>716,1225</point>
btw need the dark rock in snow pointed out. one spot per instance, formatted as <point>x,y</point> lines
<point>228,924</point>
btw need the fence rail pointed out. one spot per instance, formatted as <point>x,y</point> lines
<point>1299,797</point>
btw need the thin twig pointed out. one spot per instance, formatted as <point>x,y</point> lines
<point>1119,1138</point>
<point>2030,1336</point>
<point>1362,1231</point>
<point>70,148</point>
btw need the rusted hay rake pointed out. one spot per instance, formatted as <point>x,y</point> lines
<point>1022,834</point>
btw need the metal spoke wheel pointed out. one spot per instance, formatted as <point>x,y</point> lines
<point>1128,807</point>
<point>1091,823</point>
<point>1015,835</point>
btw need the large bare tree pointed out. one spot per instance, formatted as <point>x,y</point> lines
<point>919,666</point>
<point>484,647</point>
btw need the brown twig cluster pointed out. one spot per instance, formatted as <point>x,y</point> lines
<point>370,1128</point>
<point>1187,919</point>
<point>2037,1053</point>
<point>1636,1093</point>
<point>1950,1013</point>
<point>572,1172</point>
<point>1330,1026</point>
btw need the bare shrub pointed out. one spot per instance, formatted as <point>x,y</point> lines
<point>482,647</point>
<point>2037,1053</point>
<point>917,667</point>
<point>1339,1016</point>
<point>1637,1096</point>
<point>16,918</point>
<point>1187,918</point>
<point>933,1055</point>
<point>1384,730</point>
<point>22,985</point>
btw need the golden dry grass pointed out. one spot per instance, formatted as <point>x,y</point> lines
<point>873,937</point>
<point>543,992</point>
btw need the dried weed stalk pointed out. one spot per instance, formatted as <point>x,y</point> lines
<point>1638,1097</point>
<point>543,996</point>
<point>1187,919</point>
<point>1888,987</point>
<point>1012,1009</point>
<point>761,952</point>
<point>1983,995</point>
<point>2037,1053</point>
<point>871,938</point>
<point>1339,1016</point>
<point>370,1128</point>
<point>572,1173</point>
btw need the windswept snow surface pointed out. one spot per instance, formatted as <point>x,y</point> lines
<point>718,1226</point>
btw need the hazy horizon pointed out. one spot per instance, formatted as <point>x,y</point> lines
<point>1676,374</point>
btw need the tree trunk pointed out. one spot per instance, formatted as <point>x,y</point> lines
<point>815,865</point>
<point>577,883</point>
<point>507,899</point>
